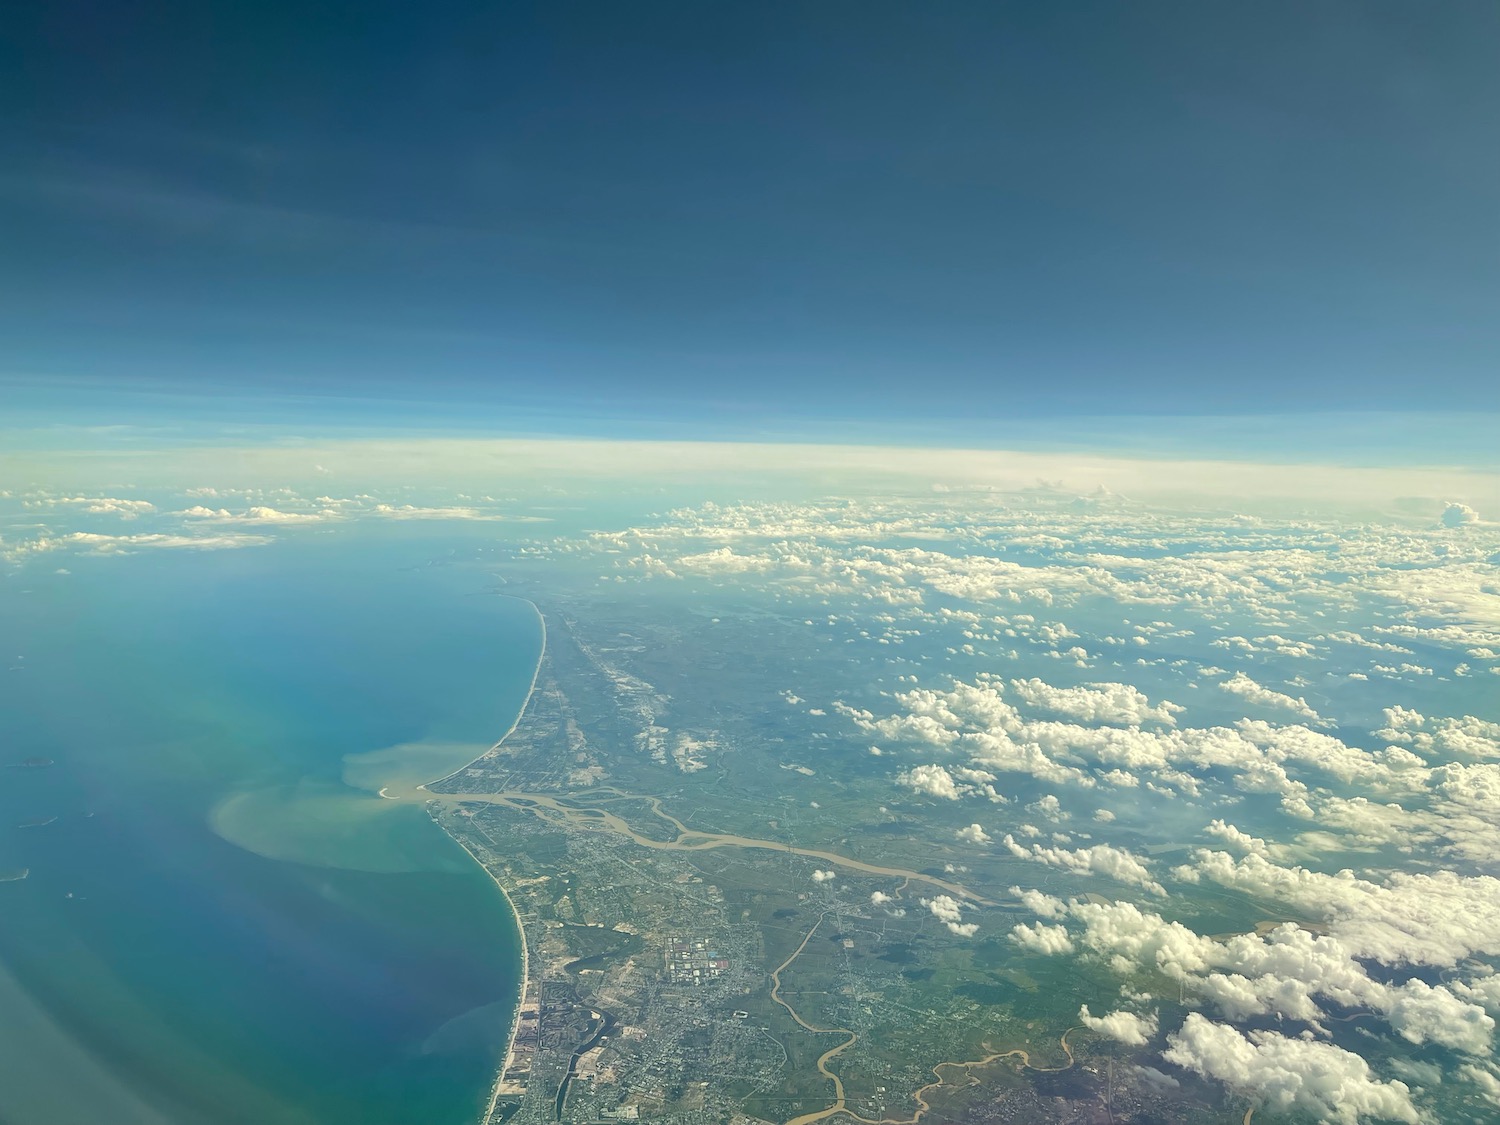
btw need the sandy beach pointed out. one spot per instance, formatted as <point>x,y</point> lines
<point>515,1016</point>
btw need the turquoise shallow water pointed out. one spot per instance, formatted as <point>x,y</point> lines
<point>218,927</point>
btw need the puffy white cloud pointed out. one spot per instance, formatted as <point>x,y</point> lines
<point>1421,919</point>
<point>1237,839</point>
<point>97,505</point>
<point>880,898</point>
<point>98,544</point>
<point>1290,1075</point>
<point>1041,938</point>
<point>1109,703</point>
<point>944,907</point>
<point>1421,1013</point>
<point>263,514</point>
<point>1484,991</point>
<point>438,512</point>
<point>1100,859</point>
<point>1259,757</point>
<point>1315,750</point>
<point>1242,685</point>
<point>1297,590</point>
<point>1444,738</point>
<point>1399,720</point>
<point>725,561</point>
<point>1039,903</point>
<point>257,514</point>
<point>1127,1027</point>
<point>1283,973</point>
<point>973,834</point>
<point>1048,806</point>
<point>1131,939</point>
<point>948,910</point>
<point>914,727</point>
<point>1457,515</point>
<point>933,780</point>
<point>824,876</point>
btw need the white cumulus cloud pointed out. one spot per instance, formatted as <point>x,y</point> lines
<point>1290,1075</point>
<point>1100,859</point>
<point>948,910</point>
<point>933,780</point>
<point>1127,1027</point>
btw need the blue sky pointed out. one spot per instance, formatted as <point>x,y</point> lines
<point>794,217</point>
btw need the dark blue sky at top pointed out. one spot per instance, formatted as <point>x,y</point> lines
<point>821,211</point>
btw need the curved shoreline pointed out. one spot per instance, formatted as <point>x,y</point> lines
<point>515,1015</point>
<point>536,674</point>
<point>701,841</point>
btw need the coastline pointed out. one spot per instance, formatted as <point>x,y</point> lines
<point>498,1084</point>
<point>536,674</point>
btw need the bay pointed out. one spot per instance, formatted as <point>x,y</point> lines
<point>218,927</point>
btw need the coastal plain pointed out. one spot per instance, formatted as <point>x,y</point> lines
<point>1013,809</point>
<point>682,969</point>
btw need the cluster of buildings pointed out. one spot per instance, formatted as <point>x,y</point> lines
<point>691,961</point>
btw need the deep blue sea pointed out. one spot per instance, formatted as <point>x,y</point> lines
<point>217,927</point>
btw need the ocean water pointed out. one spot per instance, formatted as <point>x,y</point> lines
<point>224,923</point>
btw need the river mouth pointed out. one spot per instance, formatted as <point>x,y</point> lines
<point>364,822</point>
<point>225,923</point>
